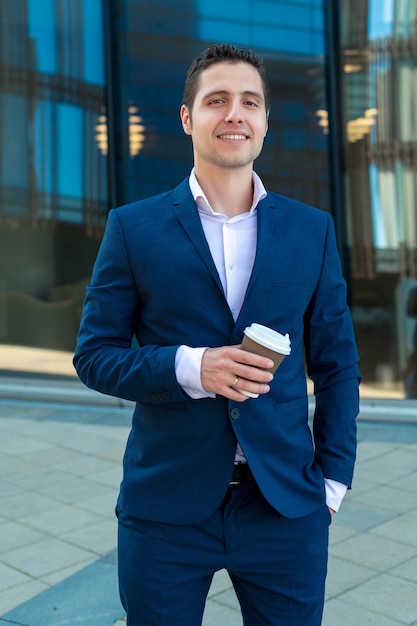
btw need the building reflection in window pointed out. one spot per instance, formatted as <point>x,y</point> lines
<point>157,48</point>
<point>380,90</point>
<point>53,181</point>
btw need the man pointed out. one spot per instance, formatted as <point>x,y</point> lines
<point>212,478</point>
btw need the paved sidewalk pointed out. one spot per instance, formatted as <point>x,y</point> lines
<point>60,468</point>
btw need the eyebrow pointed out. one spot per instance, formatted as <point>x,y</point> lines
<point>225,92</point>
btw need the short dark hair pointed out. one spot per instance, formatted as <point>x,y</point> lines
<point>219,53</point>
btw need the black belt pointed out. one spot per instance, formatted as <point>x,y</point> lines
<point>241,474</point>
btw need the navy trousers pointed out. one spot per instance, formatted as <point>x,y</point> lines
<point>277,565</point>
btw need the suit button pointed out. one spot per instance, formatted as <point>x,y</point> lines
<point>236,341</point>
<point>235,414</point>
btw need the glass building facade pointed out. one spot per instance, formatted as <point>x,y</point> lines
<point>90,92</point>
<point>378,42</point>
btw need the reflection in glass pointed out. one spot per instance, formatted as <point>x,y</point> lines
<point>380,91</point>
<point>53,182</point>
<point>160,43</point>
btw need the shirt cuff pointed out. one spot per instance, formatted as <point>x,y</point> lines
<point>335,492</point>
<point>188,372</point>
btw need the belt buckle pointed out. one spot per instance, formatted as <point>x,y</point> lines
<point>234,483</point>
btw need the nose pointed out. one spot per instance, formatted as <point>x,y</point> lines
<point>234,113</point>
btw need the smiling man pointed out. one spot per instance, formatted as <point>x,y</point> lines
<point>214,478</point>
<point>227,120</point>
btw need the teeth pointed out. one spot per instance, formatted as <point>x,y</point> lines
<point>234,137</point>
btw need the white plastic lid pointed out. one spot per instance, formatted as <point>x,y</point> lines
<point>269,338</point>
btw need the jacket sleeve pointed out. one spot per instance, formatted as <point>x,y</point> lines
<point>332,364</point>
<point>104,358</point>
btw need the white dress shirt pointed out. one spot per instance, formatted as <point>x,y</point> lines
<point>232,243</point>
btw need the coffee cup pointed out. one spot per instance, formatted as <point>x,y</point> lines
<point>267,342</point>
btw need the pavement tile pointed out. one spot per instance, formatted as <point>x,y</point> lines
<point>100,538</point>
<point>88,465</point>
<point>108,431</point>
<point>61,520</point>
<point>343,575</point>
<point>227,598</point>
<point>217,614</point>
<point>10,577</point>
<point>222,606</point>
<point>407,570</point>
<point>19,594</point>
<point>402,529</point>
<point>116,454</point>
<point>221,582</point>
<point>403,457</point>
<point>45,557</point>
<point>22,411</point>
<point>381,470</point>
<point>361,486</point>
<point>14,535</point>
<point>62,574</point>
<point>75,490</point>
<point>111,477</point>
<point>408,482</point>
<point>52,455</point>
<point>370,450</point>
<point>360,517</point>
<point>17,445</point>
<point>102,505</point>
<point>86,442</point>
<point>41,478</point>
<point>369,550</point>
<point>26,503</point>
<point>25,428</point>
<point>10,465</point>
<point>89,598</point>
<point>338,532</point>
<point>388,595</point>
<point>6,490</point>
<point>386,497</point>
<point>338,612</point>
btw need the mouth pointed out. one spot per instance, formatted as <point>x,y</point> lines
<point>233,137</point>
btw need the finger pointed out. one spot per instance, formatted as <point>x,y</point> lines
<point>240,395</point>
<point>252,373</point>
<point>250,358</point>
<point>249,388</point>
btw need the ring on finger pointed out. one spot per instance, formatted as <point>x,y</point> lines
<point>235,382</point>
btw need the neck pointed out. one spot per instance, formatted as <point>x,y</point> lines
<point>229,191</point>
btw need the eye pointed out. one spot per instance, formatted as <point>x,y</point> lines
<point>250,103</point>
<point>216,101</point>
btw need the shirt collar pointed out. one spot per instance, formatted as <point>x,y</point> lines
<point>259,192</point>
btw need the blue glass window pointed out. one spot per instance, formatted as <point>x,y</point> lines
<point>70,150</point>
<point>42,29</point>
<point>14,140</point>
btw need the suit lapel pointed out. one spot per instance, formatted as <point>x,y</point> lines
<point>187,214</point>
<point>268,215</point>
<point>267,219</point>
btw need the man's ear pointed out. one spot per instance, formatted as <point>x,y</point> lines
<point>185,119</point>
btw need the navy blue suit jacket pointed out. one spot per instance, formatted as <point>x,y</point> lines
<point>155,279</point>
